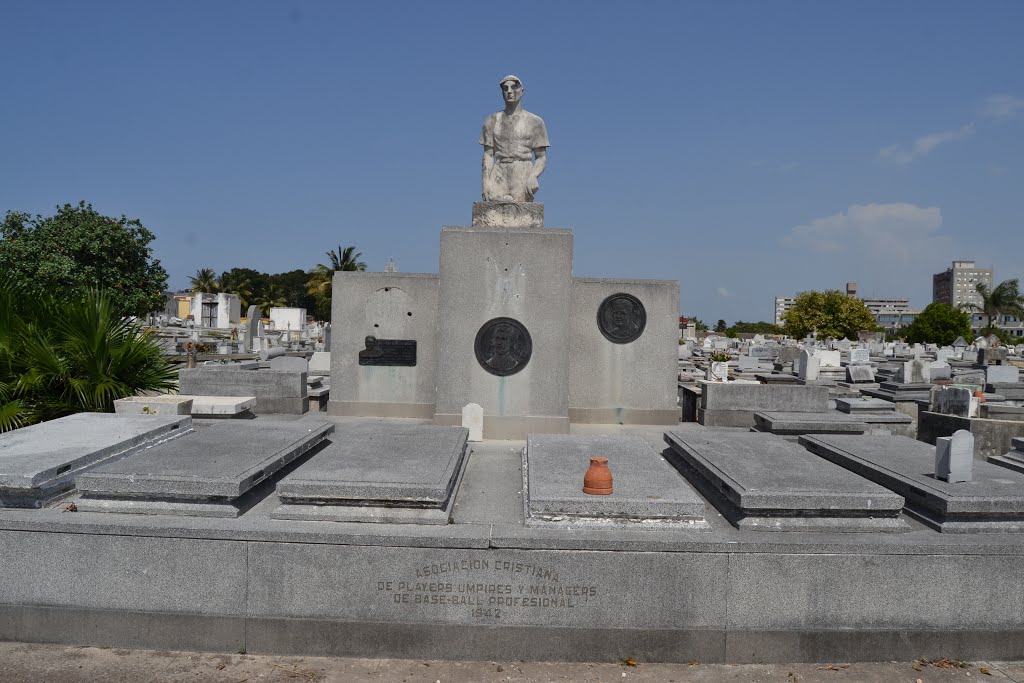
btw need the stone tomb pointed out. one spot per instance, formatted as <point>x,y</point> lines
<point>992,502</point>
<point>1014,458</point>
<point>864,404</point>
<point>648,492</point>
<point>40,462</point>
<point>834,422</point>
<point>205,474</point>
<point>506,326</point>
<point>373,472</point>
<point>766,483</point>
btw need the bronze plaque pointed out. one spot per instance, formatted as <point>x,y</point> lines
<point>621,318</point>
<point>388,352</point>
<point>503,346</point>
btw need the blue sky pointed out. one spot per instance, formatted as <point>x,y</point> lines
<point>746,149</point>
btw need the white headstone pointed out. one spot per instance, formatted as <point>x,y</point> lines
<point>954,456</point>
<point>748,363</point>
<point>954,401</point>
<point>809,366</point>
<point>859,356</point>
<point>473,420</point>
<point>936,370</point>
<point>1001,373</point>
<point>859,373</point>
<point>912,372</point>
<point>829,359</point>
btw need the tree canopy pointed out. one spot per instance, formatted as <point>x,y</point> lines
<point>77,249</point>
<point>830,314</point>
<point>1003,299</point>
<point>939,324</point>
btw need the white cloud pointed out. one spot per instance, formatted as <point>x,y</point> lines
<point>722,291</point>
<point>893,232</point>
<point>901,156</point>
<point>1001,106</point>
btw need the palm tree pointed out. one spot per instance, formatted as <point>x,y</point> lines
<point>205,280</point>
<point>320,280</point>
<point>59,357</point>
<point>1004,299</point>
<point>345,259</point>
<point>238,284</point>
<point>273,297</point>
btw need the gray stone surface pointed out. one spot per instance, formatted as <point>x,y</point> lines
<point>863,404</point>
<point>997,411</point>
<point>859,374</point>
<point>203,474</point>
<point>623,383</point>
<point>1002,374</point>
<point>733,404</point>
<point>154,405</point>
<point>386,306</point>
<point>765,483</point>
<point>648,492</point>
<point>831,422</point>
<point>508,215</point>
<point>276,391</point>
<point>992,502</point>
<point>40,462</point>
<point>379,473</point>
<point>524,275</point>
<point>991,437</point>
<point>953,457</point>
<point>1009,390</point>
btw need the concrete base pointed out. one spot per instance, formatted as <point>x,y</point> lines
<point>624,416</point>
<point>991,437</point>
<point>423,411</point>
<point>511,428</point>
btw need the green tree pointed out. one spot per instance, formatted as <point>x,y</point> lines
<point>205,280</point>
<point>272,297</point>
<point>60,356</point>
<point>830,313</point>
<point>79,248</point>
<point>236,282</point>
<point>740,327</point>
<point>939,324</point>
<point>720,326</point>
<point>1004,299</point>
<point>320,279</point>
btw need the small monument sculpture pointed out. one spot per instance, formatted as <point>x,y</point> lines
<point>515,144</point>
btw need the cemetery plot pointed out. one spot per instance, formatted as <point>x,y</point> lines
<point>203,475</point>
<point>1014,459</point>
<point>992,502</point>
<point>832,422</point>
<point>648,492</point>
<point>855,406</point>
<point>373,472</point>
<point>765,483</point>
<point>40,462</point>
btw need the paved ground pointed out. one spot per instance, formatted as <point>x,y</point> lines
<point>24,663</point>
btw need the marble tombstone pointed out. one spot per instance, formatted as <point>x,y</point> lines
<point>504,324</point>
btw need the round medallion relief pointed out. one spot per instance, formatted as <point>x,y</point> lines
<point>621,318</point>
<point>503,346</point>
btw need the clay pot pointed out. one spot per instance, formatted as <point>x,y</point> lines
<point>980,396</point>
<point>598,479</point>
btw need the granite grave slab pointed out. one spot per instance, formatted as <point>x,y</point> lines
<point>992,502</point>
<point>1013,459</point>
<point>203,475</point>
<point>648,492</point>
<point>829,422</point>
<point>864,404</point>
<point>765,483</point>
<point>373,472</point>
<point>40,462</point>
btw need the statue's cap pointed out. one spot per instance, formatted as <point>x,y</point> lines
<point>510,77</point>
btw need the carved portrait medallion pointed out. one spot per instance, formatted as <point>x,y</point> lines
<point>621,318</point>
<point>503,346</point>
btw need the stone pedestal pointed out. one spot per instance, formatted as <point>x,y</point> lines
<point>523,275</point>
<point>508,215</point>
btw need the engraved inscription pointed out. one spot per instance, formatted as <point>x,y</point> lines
<point>488,589</point>
<point>503,346</point>
<point>621,318</point>
<point>388,352</point>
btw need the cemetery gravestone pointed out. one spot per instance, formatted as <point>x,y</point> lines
<point>954,456</point>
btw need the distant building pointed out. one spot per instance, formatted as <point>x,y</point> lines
<point>877,306</point>
<point>783,304</point>
<point>957,285</point>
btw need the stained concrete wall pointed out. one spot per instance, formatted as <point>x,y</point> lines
<point>386,306</point>
<point>632,383</point>
<point>276,391</point>
<point>525,274</point>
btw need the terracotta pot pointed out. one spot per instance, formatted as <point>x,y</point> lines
<point>980,396</point>
<point>598,479</point>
